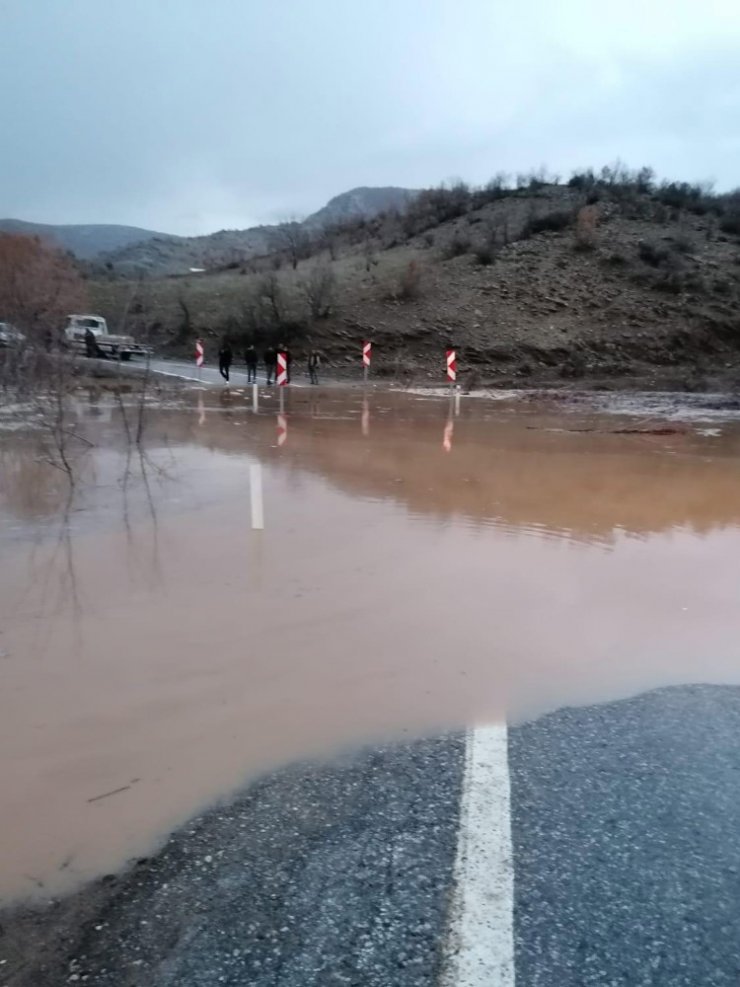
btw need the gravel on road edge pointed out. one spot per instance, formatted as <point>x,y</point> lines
<point>315,875</point>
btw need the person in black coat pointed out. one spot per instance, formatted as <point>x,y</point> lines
<point>225,358</point>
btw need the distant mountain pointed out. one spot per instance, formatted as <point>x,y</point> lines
<point>162,255</point>
<point>84,241</point>
<point>130,251</point>
<point>359,202</point>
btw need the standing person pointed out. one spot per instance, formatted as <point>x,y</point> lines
<point>314,362</point>
<point>250,358</point>
<point>91,343</point>
<point>225,356</point>
<point>270,363</point>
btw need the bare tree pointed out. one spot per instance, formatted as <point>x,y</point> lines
<point>39,286</point>
<point>294,240</point>
<point>270,298</point>
<point>318,289</point>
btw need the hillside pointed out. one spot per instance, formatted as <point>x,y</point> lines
<point>360,202</point>
<point>84,241</point>
<point>165,255</point>
<point>607,284</point>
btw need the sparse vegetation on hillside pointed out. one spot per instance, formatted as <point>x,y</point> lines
<point>605,276</point>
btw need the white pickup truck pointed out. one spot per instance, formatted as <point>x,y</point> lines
<point>117,347</point>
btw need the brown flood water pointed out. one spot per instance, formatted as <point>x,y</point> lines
<point>155,647</point>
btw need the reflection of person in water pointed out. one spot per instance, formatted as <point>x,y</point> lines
<point>225,356</point>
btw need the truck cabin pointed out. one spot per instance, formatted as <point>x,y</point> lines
<point>77,326</point>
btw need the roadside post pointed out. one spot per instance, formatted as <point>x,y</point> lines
<point>451,368</point>
<point>255,399</point>
<point>282,369</point>
<point>199,355</point>
<point>367,349</point>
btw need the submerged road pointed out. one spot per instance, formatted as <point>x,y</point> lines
<point>594,846</point>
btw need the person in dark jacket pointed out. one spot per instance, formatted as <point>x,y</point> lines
<point>250,358</point>
<point>225,357</point>
<point>270,364</point>
<point>91,344</point>
<point>314,362</point>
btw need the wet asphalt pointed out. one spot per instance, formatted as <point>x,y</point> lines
<point>626,835</point>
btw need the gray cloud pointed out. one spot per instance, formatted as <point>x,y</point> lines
<point>186,117</point>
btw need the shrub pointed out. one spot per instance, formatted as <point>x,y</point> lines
<point>615,259</point>
<point>586,228</point>
<point>485,254</point>
<point>653,254</point>
<point>551,222</point>
<point>683,244</point>
<point>457,246</point>
<point>731,224</point>
<point>409,282</point>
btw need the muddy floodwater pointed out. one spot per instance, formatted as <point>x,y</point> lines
<point>418,570</point>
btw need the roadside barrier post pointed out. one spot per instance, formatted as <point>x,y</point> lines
<point>282,369</point>
<point>366,357</point>
<point>199,351</point>
<point>451,368</point>
<point>255,399</point>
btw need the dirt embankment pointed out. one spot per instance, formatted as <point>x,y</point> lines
<point>648,297</point>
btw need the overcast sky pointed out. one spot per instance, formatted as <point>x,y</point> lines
<point>188,116</point>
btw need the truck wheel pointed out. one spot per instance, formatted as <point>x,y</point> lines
<point>125,356</point>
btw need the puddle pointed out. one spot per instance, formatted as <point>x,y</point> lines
<point>418,571</point>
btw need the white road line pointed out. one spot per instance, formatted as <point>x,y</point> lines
<point>481,935</point>
<point>255,486</point>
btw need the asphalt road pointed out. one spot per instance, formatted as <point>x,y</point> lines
<point>625,830</point>
<point>210,374</point>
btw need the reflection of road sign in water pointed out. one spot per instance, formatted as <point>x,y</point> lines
<point>451,366</point>
<point>365,417</point>
<point>282,368</point>
<point>366,353</point>
<point>199,352</point>
<point>447,436</point>
<point>282,430</point>
<point>201,411</point>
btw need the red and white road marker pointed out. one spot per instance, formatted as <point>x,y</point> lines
<point>199,351</point>
<point>367,350</point>
<point>451,366</point>
<point>282,369</point>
